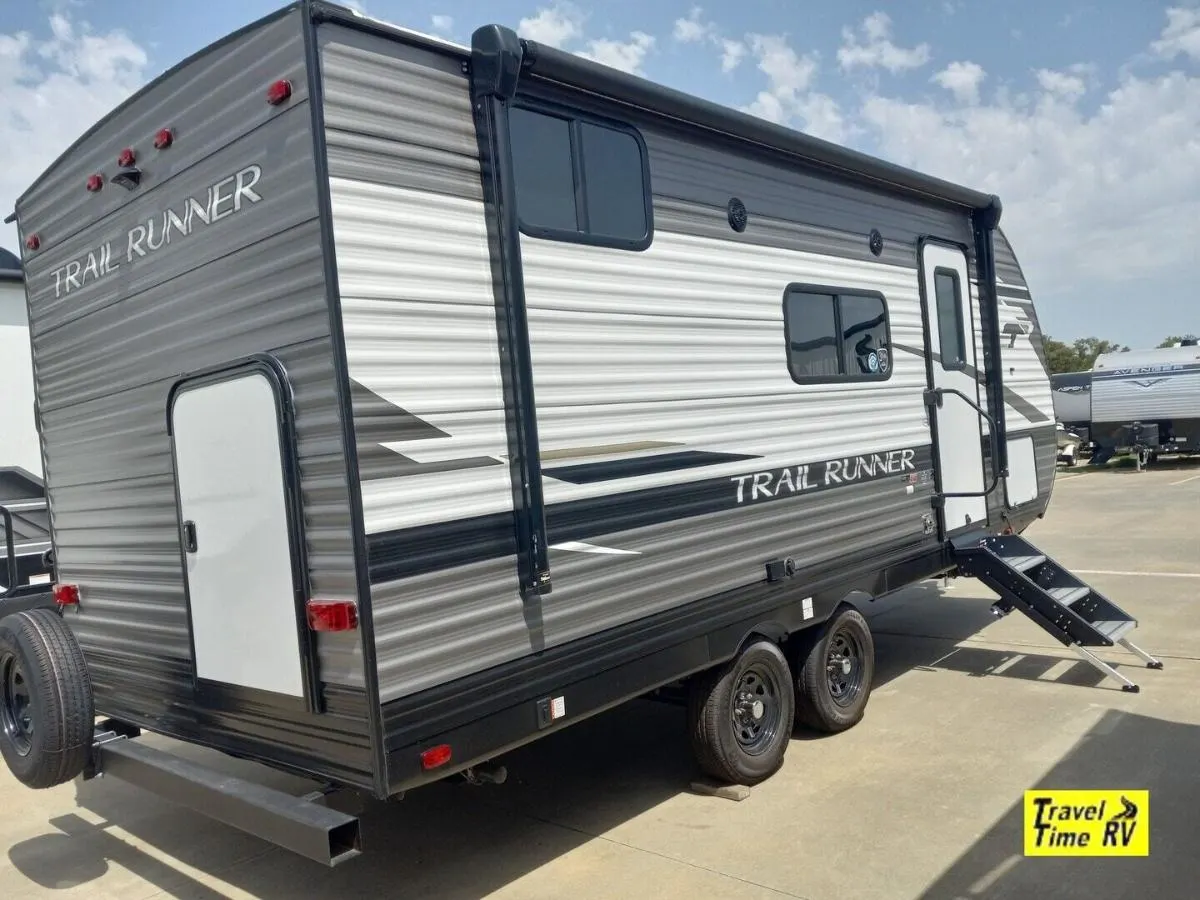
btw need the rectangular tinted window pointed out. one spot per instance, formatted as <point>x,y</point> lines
<point>864,333</point>
<point>579,180</point>
<point>613,185</point>
<point>949,318</point>
<point>812,335</point>
<point>541,149</point>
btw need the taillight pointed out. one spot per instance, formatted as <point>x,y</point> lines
<point>332,615</point>
<point>66,594</point>
<point>126,158</point>
<point>164,139</point>
<point>279,91</point>
<point>33,242</point>
<point>95,182</point>
<point>435,756</point>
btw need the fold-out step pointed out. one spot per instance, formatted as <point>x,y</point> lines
<point>1064,606</point>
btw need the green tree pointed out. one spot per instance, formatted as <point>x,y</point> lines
<point>1175,339</point>
<point>1078,356</point>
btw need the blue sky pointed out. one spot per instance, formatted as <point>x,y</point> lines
<point>1083,116</point>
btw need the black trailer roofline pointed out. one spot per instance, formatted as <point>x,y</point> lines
<point>585,75</point>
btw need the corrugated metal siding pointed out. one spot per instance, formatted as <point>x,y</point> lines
<point>107,354</point>
<point>419,317</point>
<point>1146,397</point>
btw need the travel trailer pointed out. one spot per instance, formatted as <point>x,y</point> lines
<point>24,526</point>
<point>404,402</point>
<point>1148,398</point>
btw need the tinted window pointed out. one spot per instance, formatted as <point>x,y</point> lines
<point>812,335</point>
<point>864,333</point>
<point>949,318</point>
<point>541,148</point>
<point>836,337</point>
<point>612,181</point>
<point>579,180</point>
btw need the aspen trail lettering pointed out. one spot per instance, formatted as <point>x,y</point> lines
<point>220,200</point>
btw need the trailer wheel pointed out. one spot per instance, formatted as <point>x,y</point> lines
<point>46,711</point>
<point>740,715</point>
<point>834,671</point>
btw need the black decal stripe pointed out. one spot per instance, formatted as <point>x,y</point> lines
<point>1011,397</point>
<point>427,548</point>
<point>589,473</point>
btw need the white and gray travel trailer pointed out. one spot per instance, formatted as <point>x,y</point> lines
<point>1072,393</point>
<point>402,403</point>
<point>1149,398</point>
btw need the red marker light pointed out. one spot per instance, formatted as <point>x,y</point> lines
<point>95,182</point>
<point>279,91</point>
<point>332,615</point>
<point>66,594</point>
<point>33,242</point>
<point>126,158</point>
<point>164,139</point>
<point>435,756</point>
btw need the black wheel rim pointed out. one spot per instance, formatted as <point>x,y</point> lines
<point>16,706</point>
<point>844,667</point>
<point>757,710</point>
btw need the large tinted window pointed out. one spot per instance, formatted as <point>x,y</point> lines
<point>949,318</point>
<point>542,165</point>
<point>580,180</point>
<point>836,336</point>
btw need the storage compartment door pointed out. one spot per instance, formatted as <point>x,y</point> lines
<point>234,517</point>
<point>1021,485</point>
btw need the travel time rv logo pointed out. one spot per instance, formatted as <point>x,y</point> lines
<point>1087,823</point>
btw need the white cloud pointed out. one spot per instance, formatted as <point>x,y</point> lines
<point>563,25</point>
<point>1061,84</point>
<point>627,56</point>
<point>1180,35</point>
<point>444,24</point>
<point>694,29</point>
<point>732,54</point>
<point>51,90</point>
<point>962,79</point>
<point>554,26</point>
<point>356,6</point>
<point>789,98</point>
<point>878,50</point>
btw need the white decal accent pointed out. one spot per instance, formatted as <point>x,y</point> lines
<point>582,547</point>
<point>221,200</point>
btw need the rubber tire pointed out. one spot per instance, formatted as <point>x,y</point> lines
<point>60,698</point>
<point>709,708</point>
<point>815,707</point>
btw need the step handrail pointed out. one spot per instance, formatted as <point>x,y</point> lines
<point>933,397</point>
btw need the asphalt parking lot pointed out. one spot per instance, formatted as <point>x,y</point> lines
<point>921,800</point>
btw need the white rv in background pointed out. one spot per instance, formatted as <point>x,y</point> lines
<point>18,432</point>
<point>1147,397</point>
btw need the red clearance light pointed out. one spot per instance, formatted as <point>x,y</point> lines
<point>435,756</point>
<point>279,91</point>
<point>66,594</point>
<point>95,182</point>
<point>126,158</point>
<point>33,242</point>
<point>164,139</point>
<point>332,615</point>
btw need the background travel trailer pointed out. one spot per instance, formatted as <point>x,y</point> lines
<point>21,489</point>
<point>405,402</point>
<point>1158,389</point>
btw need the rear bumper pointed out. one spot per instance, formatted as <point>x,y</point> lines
<point>299,824</point>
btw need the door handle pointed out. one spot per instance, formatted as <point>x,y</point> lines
<point>189,536</point>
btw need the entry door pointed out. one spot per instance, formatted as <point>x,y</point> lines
<point>234,520</point>
<point>958,426</point>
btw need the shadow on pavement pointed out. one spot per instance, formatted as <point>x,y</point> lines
<point>1123,751</point>
<point>454,841</point>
